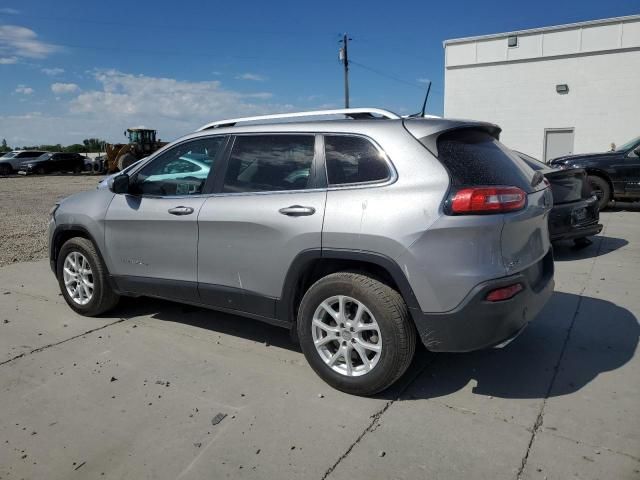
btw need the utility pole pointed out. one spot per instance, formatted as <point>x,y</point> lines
<point>344,58</point>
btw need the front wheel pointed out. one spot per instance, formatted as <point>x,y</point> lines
<point>356,333</point>
<point>601,189</point>
<point>83,278</point>
<point>126,160</point>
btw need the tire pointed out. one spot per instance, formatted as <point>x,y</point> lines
<point>103,297</point>
<point>5,169</point>
<point>40,171</point>
<point>125,160</point>
<point>78,169</point>
<point>600,187</point>
<point>383,306</point>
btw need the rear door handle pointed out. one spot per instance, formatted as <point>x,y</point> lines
<point>297,211</point>
<point>181,211</point>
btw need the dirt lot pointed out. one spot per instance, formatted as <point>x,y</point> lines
<point>24,210</point>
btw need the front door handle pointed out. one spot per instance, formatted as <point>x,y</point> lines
<point>181,211</point>
<point>297,211</point>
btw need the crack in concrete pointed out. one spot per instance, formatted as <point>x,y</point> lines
<point>540,417</point>
<point>595,447</point>
<point>375,419</point>
<point>44,347</point>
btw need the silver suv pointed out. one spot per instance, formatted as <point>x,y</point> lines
<point>359,234</point>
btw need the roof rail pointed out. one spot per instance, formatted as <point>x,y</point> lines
<point>355,113</point>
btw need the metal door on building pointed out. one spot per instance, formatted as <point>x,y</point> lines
<point>557,143</point>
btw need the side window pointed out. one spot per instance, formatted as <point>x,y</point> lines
<point>269,163</point>
<point>181,170</point>
<point>353,160</point>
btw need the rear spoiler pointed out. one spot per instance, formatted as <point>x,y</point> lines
<point>428,130</point>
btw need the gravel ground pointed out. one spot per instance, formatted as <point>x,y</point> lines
<point>24,210</point>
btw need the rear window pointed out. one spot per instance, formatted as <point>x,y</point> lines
<point>474,157</point>
<point>263,163</point>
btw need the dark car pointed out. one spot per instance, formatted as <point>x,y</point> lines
<point>53,162</point>
<point>612,175</point>
<point>575,212</point>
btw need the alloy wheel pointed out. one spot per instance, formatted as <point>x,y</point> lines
<point>78,278</point>
<point>346,336</point>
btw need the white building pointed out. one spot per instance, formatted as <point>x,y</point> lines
<point>554,90</point>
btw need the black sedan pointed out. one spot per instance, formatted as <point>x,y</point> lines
<point>613,175</point>
<point>575,212</point>
<point>53,162</point>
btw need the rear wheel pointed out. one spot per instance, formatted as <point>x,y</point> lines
<point>356,333</point>
<point>601,189</point>
<point>5,169</point>
<point>83,278</point>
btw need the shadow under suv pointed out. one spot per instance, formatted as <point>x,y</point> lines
<point>359,234</point>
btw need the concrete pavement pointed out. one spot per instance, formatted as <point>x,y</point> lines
<point>136,394</point>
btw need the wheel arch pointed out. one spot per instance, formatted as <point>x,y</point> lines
<point>596,172</point>
<point>61,234</point>
<point>311,265</point>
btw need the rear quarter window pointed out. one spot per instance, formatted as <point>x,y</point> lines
<point>352,160</point>
<point>474,158</point>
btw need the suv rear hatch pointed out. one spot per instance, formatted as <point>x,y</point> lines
<point>487,178</point>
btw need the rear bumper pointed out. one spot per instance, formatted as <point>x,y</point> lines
<point>477,323</point>
<point>563,224</point>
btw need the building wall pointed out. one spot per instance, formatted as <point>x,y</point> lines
<point>516,87</point>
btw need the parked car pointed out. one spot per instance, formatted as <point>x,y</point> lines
<point>575,214</point>
<point>612,175</point>
<point>10,162</point>
<point>53,162</point>
<point>358,234</point>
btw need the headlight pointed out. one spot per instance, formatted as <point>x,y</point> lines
<point>52,212</point>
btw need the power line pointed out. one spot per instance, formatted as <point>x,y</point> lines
<point>386,75</point>
<point>391,77</point>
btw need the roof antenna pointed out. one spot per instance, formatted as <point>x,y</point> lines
<point>422,112</point>
<point>426,97</point>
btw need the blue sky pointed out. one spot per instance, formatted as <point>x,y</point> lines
<point>76,69</point>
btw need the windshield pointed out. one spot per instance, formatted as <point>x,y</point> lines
<point>9,155</point>
<point>630,144</point>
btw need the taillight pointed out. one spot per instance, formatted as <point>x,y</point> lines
<point>479,200</point>
<point>504,293</point>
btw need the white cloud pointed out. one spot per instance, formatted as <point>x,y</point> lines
<point>9,11</point>
<point>24,90</point>
<point>8,60</point>
<point>52,72</point>
<point>22,42</point>
<point>122,100</point>
<point>59,88</point>
<point>255,77</point>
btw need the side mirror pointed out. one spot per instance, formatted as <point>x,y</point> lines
<point>637,152</point>
<point>119,183</point>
